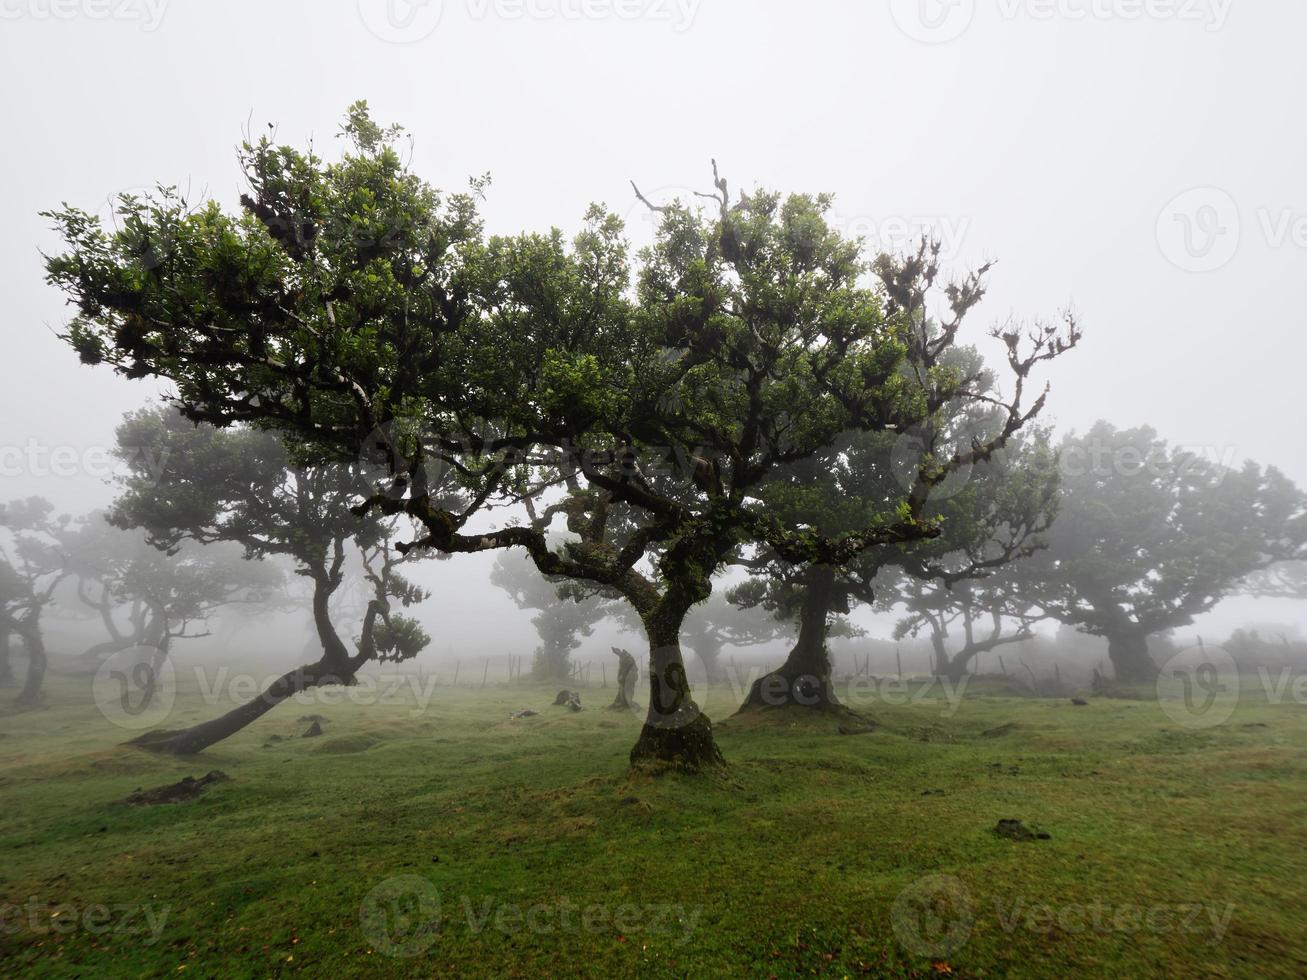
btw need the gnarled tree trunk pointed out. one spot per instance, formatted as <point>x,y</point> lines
<point>804,680</point>
<point>676,732</point>
<point>1128,651</point>
<point>627,674</point>
<point>36,664</point>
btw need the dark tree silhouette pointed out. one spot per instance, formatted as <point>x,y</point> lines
<point>628,672</point>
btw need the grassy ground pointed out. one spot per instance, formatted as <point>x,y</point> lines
<point>453,841</point>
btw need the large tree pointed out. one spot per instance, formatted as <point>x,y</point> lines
<point>1148,536</point>
<point>995,499</point>
<point>240,486</point>
<point>352,305</point>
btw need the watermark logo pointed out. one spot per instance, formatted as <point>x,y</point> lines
<point>401,916</point>
<point>933,917</point>
<point>941,21</point>
<point>42,461</point>
<point>1199,230</point>
<point>135,688</point>
<point>933,21</point>
<point>672,690</point>
<point>1211,15</point>
<point>401,21</point>
<point>679,13</point>
<point>1199,687</point>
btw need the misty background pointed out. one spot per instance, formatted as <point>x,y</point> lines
<point>1151,195</point>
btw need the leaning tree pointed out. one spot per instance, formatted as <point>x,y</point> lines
<point>354,307</point>
<point>240,487</point>
<point>1148,536</point>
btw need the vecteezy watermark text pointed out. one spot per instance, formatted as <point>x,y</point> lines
<point>402,917</point>
<point>39,918</point>
<point>935,917</point>
<point>941,21</point>
<point>148,13</point>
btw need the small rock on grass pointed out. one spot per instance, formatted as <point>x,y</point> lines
<point>1016,830</point>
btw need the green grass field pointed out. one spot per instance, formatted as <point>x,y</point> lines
<point>455,842</point>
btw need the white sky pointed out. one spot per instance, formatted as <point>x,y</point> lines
<point>1053,136</point>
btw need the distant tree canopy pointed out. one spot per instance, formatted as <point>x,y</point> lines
<point>353,308</point>
<point>564,614</point>
<point>100,559</point>
<point>1149,536</point>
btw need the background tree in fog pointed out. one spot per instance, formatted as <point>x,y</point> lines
<point>32,566</point>
<point>565,612</point>
<point>960,591</point>
<point>1148,536</point>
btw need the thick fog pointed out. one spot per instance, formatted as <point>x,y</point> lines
<point>653,488</point>
<point>1139,162</point>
